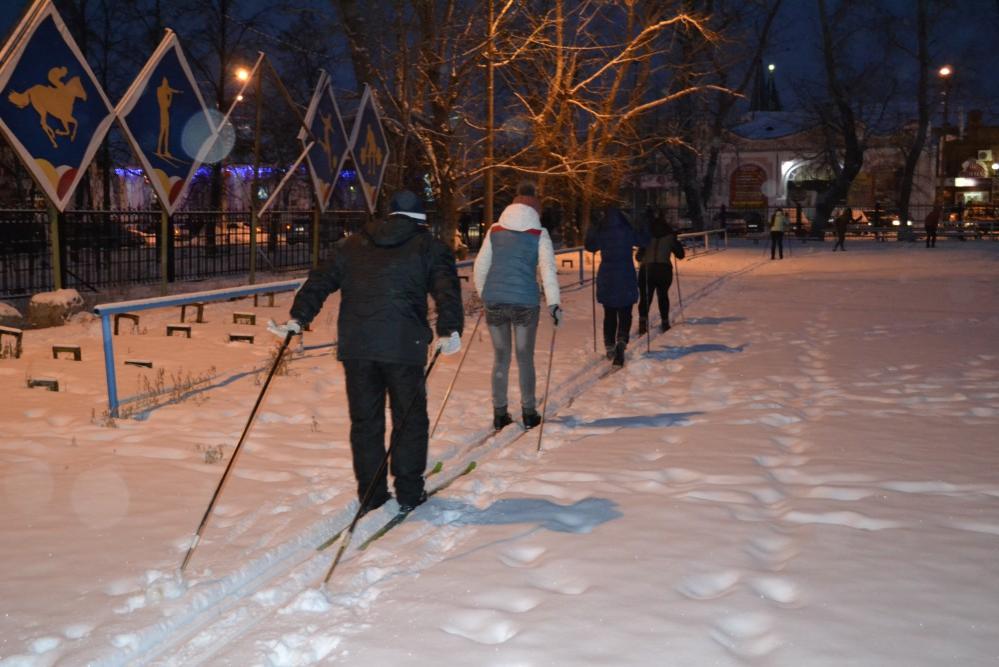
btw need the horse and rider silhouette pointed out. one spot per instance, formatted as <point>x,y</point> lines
<point>55,100</point>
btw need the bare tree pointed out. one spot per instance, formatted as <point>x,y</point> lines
<point>584,74</point>
<point>918,141</point>
<point>695,125</point>
<point>425,78</point>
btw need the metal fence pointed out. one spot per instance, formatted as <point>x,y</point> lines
<point>101,249</point>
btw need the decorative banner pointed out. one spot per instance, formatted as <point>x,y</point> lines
<point>52,110</point>
<point>331,144</point>
<point>369,148</point>
<point>167,122</point>
<point>746,187</point>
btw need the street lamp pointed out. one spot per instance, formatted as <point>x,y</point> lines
<point>945,74</point>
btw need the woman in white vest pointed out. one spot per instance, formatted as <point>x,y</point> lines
<point>505,275</point>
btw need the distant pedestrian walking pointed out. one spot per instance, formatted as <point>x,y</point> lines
<point>505,275</point>
<point>655,271</point>
<point>614,236</point>
<point>930,224</point>
<point>778,225</point>
<point>842,222</point>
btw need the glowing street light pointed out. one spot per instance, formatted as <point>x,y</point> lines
<point>242,73</point>
<point>945,74</point>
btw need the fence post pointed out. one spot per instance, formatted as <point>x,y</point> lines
<point>58,274</point>
<point>164,250</point>
<point>580,265</point>
<point>315,236</point>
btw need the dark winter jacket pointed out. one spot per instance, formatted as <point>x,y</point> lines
<point>932,220</point>
<point>663,243</point>
<point>615,238</point>
<point>384,275</point>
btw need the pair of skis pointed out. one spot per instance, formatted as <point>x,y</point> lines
<point>400,517</point>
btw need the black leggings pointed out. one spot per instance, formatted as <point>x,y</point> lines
<point>654,279</point>
<point>776,243</point>
<point>617,325</point>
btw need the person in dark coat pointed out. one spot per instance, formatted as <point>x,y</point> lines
<point>614,237</point>
<point>384,275</point>
<point>930,224</point>
<point>655,271</point>
<point>842,221</point>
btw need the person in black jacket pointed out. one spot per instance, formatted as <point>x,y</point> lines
<point>655,272</point>
<point>384,274</point>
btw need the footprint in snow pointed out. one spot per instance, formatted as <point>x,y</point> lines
<point>772,552</point>
<point>747,635</point>
<point>511,600</point>
<point>555,578</point>
<point>709,585</point>
<point>780,461</point>
<point>845,519</point>
<point>776,589</point>
<point>44,644</point>
<point>521,556</point>
<point>77,630</point>
<point>838,493</point>
<point>483,626</point>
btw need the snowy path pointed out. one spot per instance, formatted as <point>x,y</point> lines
<point>802,473</point>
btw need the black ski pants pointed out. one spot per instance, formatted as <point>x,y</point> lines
<point>367,385</point>
<point>654,279</point>
<point>776,243</point>
<point>617,325</point>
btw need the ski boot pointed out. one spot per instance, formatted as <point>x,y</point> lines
<point>501,418</point>
<point>531,418</point>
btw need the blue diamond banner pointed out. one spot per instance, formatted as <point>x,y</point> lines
<point>53,111</point>
<point>327,155</point>
<point>369,148</point>
<point>166,121</point>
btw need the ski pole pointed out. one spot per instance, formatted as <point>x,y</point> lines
<point>464,354</point>
<point>235,452</point>
<point>548,380</point>
<point>648,311</point>
<point>679,294</point>
<point>593,292</point>
<point>349,534</point>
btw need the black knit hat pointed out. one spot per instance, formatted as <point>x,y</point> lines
<point>408,204</point>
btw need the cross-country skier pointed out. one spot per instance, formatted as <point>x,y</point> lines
<point>655,271</point>
<point>384,274</point>
<point>614,236</point>
<point>505,274</point>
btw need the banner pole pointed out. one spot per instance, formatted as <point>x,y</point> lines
<point>256,175</point>
<point>56,246</point>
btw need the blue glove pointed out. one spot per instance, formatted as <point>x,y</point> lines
<point>282,330</point>
<point>557,313</point>
<point>449,345</point>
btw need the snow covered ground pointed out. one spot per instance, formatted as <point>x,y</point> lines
<point>801,472</point>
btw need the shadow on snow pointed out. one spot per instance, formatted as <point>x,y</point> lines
<point>661,420</point>
<point>678,352</point>
<point>579,517</point>
<point>710,321</point>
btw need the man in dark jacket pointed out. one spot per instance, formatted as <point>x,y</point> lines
<point>655,271</point>
<point>930,224</point>
<point>384,274</point>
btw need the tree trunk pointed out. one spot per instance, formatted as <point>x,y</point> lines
<point>916,148</point>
